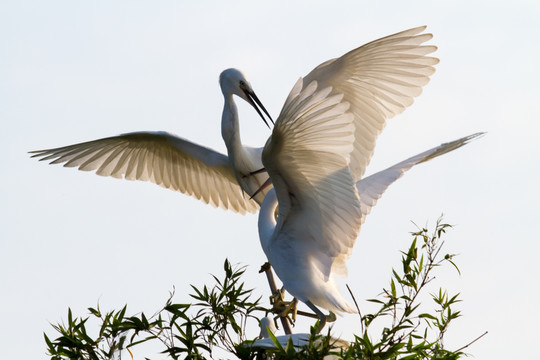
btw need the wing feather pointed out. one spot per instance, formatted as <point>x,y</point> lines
<point>379,80</point>
<point>307,158</point>
<point>371,188</point>
<point>162,158</point>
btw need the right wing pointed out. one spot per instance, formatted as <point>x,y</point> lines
<point>371,188</point>
<point>163,159</point>
<point>379,80</point>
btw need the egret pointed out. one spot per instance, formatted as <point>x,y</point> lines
<point>321,207</point>
<point>179,164</point>
<point>298,341</point>
<point>378,80</point>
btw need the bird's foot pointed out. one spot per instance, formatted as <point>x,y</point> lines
<point>323,319</point>
<point>290,311</point>
<point>282,308</point>
<point>331,317</point>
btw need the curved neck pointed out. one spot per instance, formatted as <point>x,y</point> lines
<point>230,129</point>
<point>267,219</point>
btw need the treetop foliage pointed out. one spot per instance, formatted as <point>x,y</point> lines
<point>218,316</point>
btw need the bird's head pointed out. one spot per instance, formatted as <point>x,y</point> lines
<point>234,82</point>
<point>267,327</point>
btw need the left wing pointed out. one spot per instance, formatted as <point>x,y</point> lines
<point>371,188</point>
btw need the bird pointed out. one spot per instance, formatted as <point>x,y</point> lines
<point>371,188</point>
<point>177,163</point>
<point>320,204</point>
<point>299,340</point>
<point>379,80</point>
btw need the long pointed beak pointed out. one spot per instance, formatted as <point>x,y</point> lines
<point>256,103</point>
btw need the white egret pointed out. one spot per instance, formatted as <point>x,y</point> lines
<point>178,164</point>
<point>298,341</point>
<point>378,80</point>
<point>320,205</point>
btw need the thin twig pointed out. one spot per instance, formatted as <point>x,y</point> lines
<point>472,342</point>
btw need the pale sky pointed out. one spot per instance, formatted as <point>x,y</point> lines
<point>72,71</point>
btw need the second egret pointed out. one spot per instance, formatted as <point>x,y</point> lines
<point>320,206</point>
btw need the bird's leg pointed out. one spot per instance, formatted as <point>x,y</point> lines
<point>322,318</point>
<point>307,314</point>
<point>283,308</point>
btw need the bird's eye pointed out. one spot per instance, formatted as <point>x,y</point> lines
<point>242,83</point>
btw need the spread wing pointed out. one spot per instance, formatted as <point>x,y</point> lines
<point>371,188</point>
<point>378,80</point>
<point>307,158</point>
<point>162,158</point>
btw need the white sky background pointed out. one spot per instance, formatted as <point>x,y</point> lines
<point>72,71</point>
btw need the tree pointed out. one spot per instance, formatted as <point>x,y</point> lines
<point>219,314</point>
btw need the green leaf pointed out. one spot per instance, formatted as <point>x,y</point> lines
<point>427,316</point>
<point>393,288</point>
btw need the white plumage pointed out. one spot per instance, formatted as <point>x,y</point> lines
<point>307,158</point>
<point>179,164</point>
<point>378,80</point>
<point>316,157</point>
